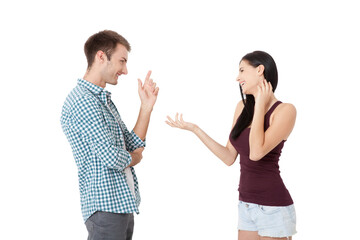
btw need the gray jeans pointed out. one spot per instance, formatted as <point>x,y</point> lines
<point>110,226</point>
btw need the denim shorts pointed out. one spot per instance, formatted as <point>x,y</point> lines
<point>268,221</point>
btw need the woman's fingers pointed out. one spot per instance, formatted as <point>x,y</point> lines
<point>170,120</point>
<point>181,118</point>
<point>266,85</point>
<point>179,123</point>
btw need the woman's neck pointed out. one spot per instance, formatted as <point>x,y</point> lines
<point>270,103</point>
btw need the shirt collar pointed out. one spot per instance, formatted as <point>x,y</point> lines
<point>97,90</point>
<point>90,86</point>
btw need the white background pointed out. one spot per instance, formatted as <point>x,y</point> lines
<point>193,49</point>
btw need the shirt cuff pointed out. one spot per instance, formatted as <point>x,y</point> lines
<point>137,140</point>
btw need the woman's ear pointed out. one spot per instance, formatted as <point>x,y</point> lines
<point>260,70</point>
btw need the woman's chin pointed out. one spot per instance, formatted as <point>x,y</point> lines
<point>248,91</point>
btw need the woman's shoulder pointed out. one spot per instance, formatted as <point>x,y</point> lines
<point>239,107</point>
<point>287,109</point>
<point>240,104</point>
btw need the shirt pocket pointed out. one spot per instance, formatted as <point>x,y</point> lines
<point>114,128</point>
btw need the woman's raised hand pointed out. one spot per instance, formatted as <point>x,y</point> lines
<point>264,93</point>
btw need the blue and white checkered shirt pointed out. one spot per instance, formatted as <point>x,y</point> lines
<point>100,144</point>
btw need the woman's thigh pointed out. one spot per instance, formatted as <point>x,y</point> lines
<point>251,235</point>
<point>248,235</point>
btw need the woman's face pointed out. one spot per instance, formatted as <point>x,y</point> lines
<point>249,77</point>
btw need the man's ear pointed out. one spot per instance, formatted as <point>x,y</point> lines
<point>100,56</point>
<point>260,70</point>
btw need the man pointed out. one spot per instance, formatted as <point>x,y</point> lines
<point>104,150</point>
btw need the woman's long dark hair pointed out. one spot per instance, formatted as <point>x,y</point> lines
<point>255,59</point>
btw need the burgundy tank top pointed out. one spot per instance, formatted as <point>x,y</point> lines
<point>260,181</point>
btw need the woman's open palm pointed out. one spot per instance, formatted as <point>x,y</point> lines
<point>180,123</point>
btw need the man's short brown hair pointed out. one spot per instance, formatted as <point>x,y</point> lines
<point>105,41</point>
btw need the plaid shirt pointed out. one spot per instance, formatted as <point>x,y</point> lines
<point>100,144</point>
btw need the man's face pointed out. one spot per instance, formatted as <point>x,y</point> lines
<point>116,66</point>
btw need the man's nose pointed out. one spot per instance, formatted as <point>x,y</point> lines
<point>125,70</point>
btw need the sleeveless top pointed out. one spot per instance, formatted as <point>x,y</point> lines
<point>260,181</point>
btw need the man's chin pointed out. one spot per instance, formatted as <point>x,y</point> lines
<point>113,82</point>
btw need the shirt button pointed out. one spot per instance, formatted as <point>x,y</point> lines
<point>247,205</point>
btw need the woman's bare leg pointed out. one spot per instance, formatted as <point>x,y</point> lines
<point>248,235</point>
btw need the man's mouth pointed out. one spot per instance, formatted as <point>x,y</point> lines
<point>242,83</point>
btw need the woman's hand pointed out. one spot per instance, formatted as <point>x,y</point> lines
<point>180,123</point>
<point>227,154</point>
<point>264,94</point>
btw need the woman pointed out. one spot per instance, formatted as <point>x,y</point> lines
<point>260,128</point>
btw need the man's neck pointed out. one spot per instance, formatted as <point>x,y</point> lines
<point>94,78</point>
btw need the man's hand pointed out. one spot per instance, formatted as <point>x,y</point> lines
<point>136,156</point>
<point>148,92</point>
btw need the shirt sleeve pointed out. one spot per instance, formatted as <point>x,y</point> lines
<point>132,140</point>
<point>89,122</point>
